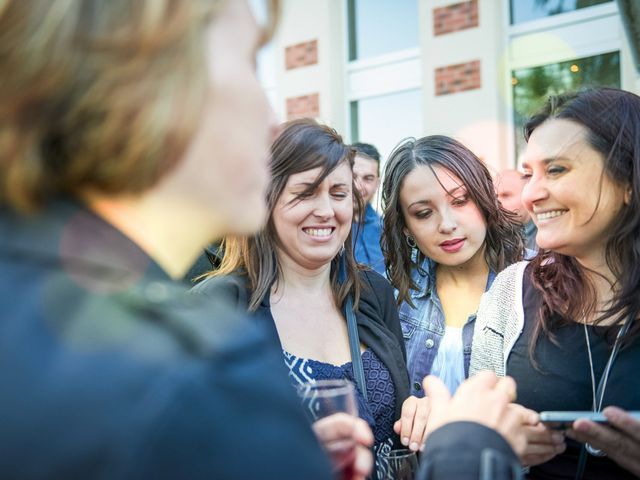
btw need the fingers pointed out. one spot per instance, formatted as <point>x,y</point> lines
<point>548,450</point>
<point>503,388</point>
<point>507,385</point>
<point>362,434</point>
<point>526,416</point>
<point>347,439</point>
<point>439,401</point>
<point>409,408</point>
<point>624,422</point>
<point>413,422</point>
<point>619,446</point>
<point>334,427</point>
<point>436,390</point>
<point>363,463</point>
<point>419,433</point>
<point>342,426</point>
<point>536,459</point>
<point>484,380</point>
<point>542,435</point>
<point>599,436</point>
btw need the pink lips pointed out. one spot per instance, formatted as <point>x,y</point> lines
<point>452,246</point>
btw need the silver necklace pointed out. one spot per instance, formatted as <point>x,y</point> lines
<point>597,403</point>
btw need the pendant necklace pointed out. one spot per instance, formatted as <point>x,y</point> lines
<point>597,402</point>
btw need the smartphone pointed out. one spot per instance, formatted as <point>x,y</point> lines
<point>564,420</point>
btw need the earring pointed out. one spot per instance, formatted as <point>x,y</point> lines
<point>410,241</point>
<point>341,250</point>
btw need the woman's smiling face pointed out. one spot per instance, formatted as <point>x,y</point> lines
<point>312,227</point>
<point>571,199</point>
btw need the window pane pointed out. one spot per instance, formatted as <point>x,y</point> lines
<point>386,120</point>
<point>526,10</point>
<point>377,27</point>
<point>531,86</point>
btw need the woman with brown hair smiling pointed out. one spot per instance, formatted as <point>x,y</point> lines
<point>299,275</point>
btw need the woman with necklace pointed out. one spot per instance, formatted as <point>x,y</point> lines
<point>565,325</point>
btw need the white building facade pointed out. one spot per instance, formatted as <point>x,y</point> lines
<point>382,70</point>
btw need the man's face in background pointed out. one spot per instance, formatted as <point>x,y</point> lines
<point>365,176</point>
<point>509,187</point>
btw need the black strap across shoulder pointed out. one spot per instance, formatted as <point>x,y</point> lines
<point>352,331</point>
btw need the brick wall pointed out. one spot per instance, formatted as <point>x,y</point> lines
<point>452,18</point>
<point>301,55</point>
<point>303,106</point>
<point>457,78</point>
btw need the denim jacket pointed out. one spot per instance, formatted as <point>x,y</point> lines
<point>366,243</point>
<point>423,326</point>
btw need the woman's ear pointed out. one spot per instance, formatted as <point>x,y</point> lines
<point>627,194</point>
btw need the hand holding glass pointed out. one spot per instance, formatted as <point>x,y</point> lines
<point>326,402</point>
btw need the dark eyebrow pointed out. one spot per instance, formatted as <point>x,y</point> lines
<point>547,161</point>
<point>423,202</point>
<point>339,185</point>
<point>450,192</point>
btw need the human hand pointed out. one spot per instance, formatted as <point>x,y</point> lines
<point>620,441</point>
<point>541,443</point>
<point>347,440</point>
<point>412,425</point>
<point>483,399</point>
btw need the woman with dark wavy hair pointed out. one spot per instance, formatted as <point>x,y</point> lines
<point>445,237</point>
<point>565,325</point>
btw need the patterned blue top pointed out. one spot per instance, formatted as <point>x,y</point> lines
<point>379,412</point>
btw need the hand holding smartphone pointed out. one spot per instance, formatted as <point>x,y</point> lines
<point>563,420</point>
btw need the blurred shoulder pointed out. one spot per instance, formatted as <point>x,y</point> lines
<point>230,288</point>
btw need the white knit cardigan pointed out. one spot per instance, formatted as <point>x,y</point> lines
<point>499,321</point>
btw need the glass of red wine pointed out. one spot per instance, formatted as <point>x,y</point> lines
<point>324,401</point>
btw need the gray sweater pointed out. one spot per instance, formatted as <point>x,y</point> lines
<point>499,322</point>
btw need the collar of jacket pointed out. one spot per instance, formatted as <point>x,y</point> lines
<point>425,278</point>
<point>66,232</point>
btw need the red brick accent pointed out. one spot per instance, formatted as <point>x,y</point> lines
<point>301,55</point>
<point>456,78</point>
<point>304,106</point>
<point>452,18</point>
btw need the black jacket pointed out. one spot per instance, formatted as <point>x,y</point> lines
<point>377,318</point>
<point>108,370</point>
<point>468,451</point>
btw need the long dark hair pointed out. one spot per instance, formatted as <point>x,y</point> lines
<point>504,243</point>
<point>612,119</point>
<point>301,146</point>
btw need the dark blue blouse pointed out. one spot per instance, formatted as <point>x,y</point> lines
<point>378,412</point>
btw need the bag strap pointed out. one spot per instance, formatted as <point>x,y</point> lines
<point>352,331</point>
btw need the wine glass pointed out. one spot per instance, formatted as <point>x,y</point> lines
<point>401,464</point>
<point>322,400</point>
